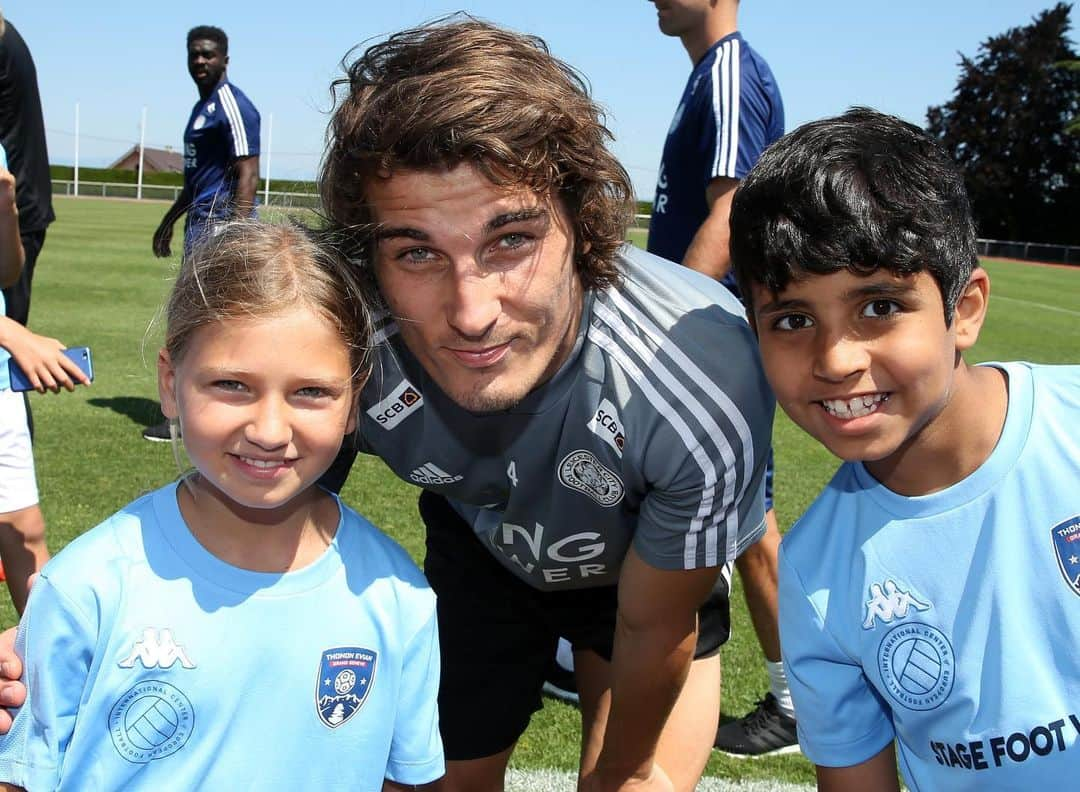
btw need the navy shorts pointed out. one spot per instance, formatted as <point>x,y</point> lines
<point>497,634</point>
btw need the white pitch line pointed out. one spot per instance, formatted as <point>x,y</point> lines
<point>556,781</point>
<point>1037,305</point>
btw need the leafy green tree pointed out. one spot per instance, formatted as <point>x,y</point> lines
<point>1006,126</point>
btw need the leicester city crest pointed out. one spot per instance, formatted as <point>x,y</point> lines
<point>1066,539</point>
<point>345,677</point>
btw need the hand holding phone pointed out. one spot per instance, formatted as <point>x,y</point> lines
<point>55,369</point>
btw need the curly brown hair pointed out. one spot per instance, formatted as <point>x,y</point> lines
<point>462,91</point>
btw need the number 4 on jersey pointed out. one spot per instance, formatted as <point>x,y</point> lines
<point>511,473</point>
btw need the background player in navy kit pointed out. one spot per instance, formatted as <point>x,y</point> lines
<point>22,133</point>
<point>221,145</point>
<point>591,465</point>
<point>729,112</point>
<point>221,155</point>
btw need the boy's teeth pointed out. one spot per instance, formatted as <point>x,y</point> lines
<point>261,463</point>
<point>854,408</point>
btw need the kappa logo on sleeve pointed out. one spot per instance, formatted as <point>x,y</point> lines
<point>606,425</point>
<point>346,674</point>
<point>399,405</point>
<point>1066,539</point>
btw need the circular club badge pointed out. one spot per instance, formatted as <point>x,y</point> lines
<point>917,665</point>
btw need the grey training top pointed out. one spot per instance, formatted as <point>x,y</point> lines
<point>654,431</point>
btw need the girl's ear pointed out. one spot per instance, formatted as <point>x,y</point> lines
<point>350,425</point>
<point>971,309</point>
<point>167,385</point>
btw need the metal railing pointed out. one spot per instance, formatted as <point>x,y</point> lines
<point>1030,251</point>
<point>169,192</point>
<point>992,248</point>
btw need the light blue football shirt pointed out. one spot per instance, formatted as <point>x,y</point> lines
<point>153,664</point>
<point>950,621</point>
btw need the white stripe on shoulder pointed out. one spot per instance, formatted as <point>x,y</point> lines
<point>721,110</point>
<point>730,410</point>
<point>236,120</point>
<point>710,430</point>
<point>693,445</point>
<point>709,387</point>
<point>734,103</point>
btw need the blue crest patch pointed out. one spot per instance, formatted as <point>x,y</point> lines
<point>1066,539</point>
<point>345,677</point>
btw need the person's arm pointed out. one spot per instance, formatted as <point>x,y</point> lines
<point>58,642</point>
<point>708,252</point>
<point>41,358</point>
<point>11,249</point>
<point>655,638</point>
<point>877,774</point>
<point>12,690</point>
<point>247,183</point>
<point>416,751</point>
<point>163,233</point>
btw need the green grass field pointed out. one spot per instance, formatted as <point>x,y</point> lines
<point>97,284</point>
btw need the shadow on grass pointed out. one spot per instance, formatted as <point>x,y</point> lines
<point>142,411</point>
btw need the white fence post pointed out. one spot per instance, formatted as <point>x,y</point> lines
<point>76,148</point>
<point>142,150</point>
<point>269,153</point>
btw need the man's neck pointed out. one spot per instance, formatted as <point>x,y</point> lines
<point>722,21</point>
<point>204,93</point>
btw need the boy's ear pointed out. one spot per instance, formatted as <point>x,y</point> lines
<point>971,309</point>
<point>167,385</point>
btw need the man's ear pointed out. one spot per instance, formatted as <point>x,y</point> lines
<point>971,309</point>
<point>167,385</point>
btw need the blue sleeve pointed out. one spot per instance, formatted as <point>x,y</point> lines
<point>56,642</point>
<point>841,719</point>
<point>416,752</point>
<point>243,121</point>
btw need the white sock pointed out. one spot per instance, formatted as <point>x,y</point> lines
<point>778,686</point>
<point>564,655</point>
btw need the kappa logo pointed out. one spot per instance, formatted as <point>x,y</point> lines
<point>1066,539</point>
<point>157,649</point>
<point>888,602</point>
<point>399,405</point>
<point>606,425</point>
<point>582,472</point>
<point>346,674</point>
<point>429,473</point>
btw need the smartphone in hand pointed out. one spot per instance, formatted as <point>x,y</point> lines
<point>80,355</point>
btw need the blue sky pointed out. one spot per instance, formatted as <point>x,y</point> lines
<point>115,58</point>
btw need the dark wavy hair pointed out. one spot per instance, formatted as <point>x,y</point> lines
<point>459,90</point>
<point>862,191</point>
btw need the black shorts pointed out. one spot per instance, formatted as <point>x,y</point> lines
<point>497,634</point>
